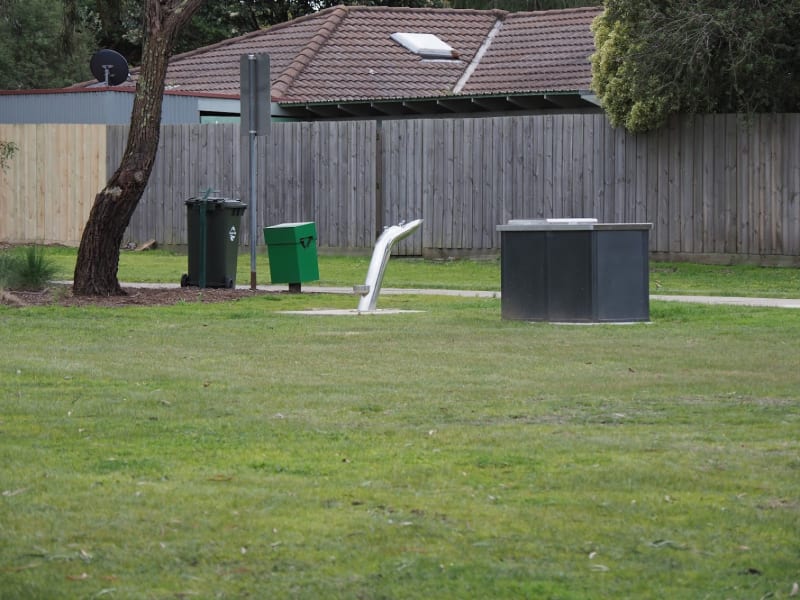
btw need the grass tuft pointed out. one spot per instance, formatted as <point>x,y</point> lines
<point>26,268</point>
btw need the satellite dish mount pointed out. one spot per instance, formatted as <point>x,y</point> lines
<point>109,67</point>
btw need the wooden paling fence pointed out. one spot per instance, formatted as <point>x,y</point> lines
<point>712,185</point>
<point>47,189</point>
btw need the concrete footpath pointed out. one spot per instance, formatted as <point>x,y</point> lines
<point>741,301</point>
<point>311,288</point>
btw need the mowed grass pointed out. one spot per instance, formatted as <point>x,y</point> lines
<point>232,451</point>
<point>164,266</point>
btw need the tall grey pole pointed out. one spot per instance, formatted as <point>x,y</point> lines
<point>252,185</point>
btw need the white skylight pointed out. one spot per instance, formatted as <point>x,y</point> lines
<point>426,45</point>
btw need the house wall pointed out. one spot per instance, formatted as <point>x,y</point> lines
<point>90,106</point>
<point>714,187</point>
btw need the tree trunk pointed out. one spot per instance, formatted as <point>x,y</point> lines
<point>98,254</point>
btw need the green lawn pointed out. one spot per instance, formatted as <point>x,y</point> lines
<point>232,451</point>
<point>665,278</point>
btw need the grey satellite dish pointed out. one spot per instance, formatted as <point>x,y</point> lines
<point>109,67</point>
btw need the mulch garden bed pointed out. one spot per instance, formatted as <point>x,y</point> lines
<point>134,296</point>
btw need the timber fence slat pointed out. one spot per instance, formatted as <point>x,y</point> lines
<point>710,184</point>
<point>48,188</point>
<point>696,203</point>
<point>792,190</point>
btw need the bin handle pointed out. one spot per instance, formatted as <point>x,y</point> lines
<point>305,242</point>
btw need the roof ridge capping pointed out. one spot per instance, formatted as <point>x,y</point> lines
<point>252,34</point>
<point>462,81</point>
<point>284,81</point>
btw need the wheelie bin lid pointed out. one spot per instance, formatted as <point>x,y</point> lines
<point>217,201</point>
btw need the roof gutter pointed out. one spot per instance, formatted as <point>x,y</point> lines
<point>498,25</point>
<point>591,98</point>
<point>440,105</point>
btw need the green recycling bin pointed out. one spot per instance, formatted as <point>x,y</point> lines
<point>213,228</point>
<point>292,251</point>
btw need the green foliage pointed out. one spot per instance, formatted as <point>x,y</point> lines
<point>7,152</point>
<point>521,5</point>
<point>26,268</point>
<point>115,24</point>
<point>656,58</point>
<point>7,268</point>
<point>33,53</point>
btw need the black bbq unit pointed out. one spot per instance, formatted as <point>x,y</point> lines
<point>575,271</point>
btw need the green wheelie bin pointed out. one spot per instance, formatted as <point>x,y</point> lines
<point>213,231</point>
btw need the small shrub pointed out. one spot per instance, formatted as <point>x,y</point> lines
<point>25,269</point>
<point>6,269</point>
<point>7,152</point>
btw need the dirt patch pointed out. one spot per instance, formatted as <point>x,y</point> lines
<point>134,296</point>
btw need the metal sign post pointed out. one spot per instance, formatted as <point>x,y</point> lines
<point>255,101</point>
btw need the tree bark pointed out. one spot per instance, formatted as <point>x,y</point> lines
<point>98,255</point>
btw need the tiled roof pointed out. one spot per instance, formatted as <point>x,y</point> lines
<point>345,53</point>
<point>539,51</point>
<point>359,60</point>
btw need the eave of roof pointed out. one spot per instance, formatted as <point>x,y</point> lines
<point>444,105</point>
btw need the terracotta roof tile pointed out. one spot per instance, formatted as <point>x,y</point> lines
<point>361,61</point>
<point>345,53</point>
<point>540,51</point>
